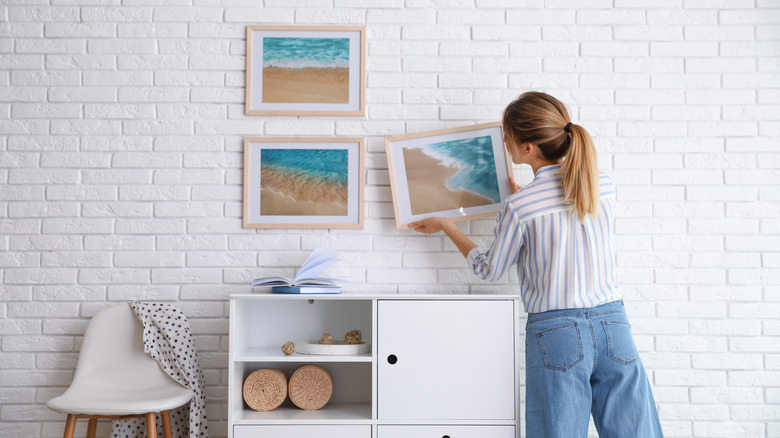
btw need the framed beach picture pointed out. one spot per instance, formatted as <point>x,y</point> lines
<point>306,70</point>
<point>297,182</point>
<point>461,173</point>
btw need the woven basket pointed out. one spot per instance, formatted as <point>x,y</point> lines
<point>264,390</point>
<point>310,387</point>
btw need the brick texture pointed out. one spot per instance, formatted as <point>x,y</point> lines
<point>121,130</point>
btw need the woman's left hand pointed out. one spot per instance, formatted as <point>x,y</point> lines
<point>428,226</point>
<point>435,224</point>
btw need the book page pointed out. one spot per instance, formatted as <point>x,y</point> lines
<point>319,259</point>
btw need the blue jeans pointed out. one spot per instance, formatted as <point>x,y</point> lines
<point>581,362</point>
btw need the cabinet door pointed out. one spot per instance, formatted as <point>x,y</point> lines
<point>446,431</point>
<point>446,360</point>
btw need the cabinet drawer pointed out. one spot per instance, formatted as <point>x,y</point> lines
<point>441,431</point>
<point>311,431</point>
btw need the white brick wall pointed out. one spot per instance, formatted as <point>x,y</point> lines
<point>121,126</point>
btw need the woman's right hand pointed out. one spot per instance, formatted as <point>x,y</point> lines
<point>513,185</point>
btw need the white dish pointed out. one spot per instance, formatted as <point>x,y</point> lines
<point>339,348</point>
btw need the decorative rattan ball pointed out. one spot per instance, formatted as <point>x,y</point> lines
<point>327,338</point>
<point>266,389</point>
<point>310,387</point>
<point>353,337</point>
<point>288,348</point>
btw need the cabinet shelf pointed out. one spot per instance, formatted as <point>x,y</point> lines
<point>274,354</point>
<point>342,413</point>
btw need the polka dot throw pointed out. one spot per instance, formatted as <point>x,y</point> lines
<point>168,339</point>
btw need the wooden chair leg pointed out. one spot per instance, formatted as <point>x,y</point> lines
<point>70,426</point>
<point>166,424</point>
<point>92,428</point>
<point>151,425</point>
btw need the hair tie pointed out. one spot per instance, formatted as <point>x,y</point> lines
<point>566,128</point>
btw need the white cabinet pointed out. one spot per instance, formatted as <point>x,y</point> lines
<point>446,431</point>
<point>443,365</point>
<point>289,431</point>
<point>446,360</point>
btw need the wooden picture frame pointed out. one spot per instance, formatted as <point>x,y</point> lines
<point>306,70</point>
<point>303,182</point>
<point>461,173</point>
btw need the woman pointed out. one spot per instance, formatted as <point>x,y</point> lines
<point>580,354</point>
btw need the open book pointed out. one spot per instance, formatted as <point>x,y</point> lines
<point>308,276</point>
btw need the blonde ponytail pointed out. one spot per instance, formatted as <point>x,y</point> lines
<point>581,174</point>
<point>543,120</point>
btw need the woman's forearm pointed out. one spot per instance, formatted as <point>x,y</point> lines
<point>458,237</point>
<point>435,224</point>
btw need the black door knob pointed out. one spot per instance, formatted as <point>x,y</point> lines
<point>392,359</point>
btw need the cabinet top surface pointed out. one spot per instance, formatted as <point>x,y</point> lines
<point>271,296</point>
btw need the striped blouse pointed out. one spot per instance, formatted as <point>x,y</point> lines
<point>561,263</point>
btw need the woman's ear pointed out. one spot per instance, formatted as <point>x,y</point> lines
<point>530,150</point>
<point>520,152</point>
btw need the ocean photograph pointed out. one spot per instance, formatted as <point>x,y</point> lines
<point>450,175</point>
<point>305,70</point>
<point>304,182</point>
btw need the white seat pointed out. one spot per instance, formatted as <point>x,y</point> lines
<point>116,379</point>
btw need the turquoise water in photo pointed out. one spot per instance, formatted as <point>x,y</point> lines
<point>475,161</point>
<point>321,166</point>
<point>306,52</point>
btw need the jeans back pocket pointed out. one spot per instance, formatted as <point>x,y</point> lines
<point>561,346</point>
<point>620,342</point>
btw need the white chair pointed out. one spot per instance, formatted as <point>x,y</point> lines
<point>115,379</point>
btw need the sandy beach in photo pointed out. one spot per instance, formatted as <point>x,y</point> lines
<point>286,194</point>
<point>305,85</point>
<point>427,180</point>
